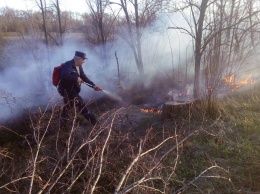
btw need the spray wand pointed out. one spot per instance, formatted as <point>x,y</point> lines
<point>116,97</point>
<point>90,85</point>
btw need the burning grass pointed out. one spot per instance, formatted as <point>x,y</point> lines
<point>234,83</point>
<point>151,110</point>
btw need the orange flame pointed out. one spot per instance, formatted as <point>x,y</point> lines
<point>152,110</point>
<point>231,81</point>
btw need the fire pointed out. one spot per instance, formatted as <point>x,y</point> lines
<point>231,81</point>
<point>151,110</point>
<point>184,93</point>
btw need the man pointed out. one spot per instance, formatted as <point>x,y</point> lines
<point>72,75</point>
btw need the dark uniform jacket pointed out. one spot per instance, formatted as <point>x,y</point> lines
<point>69,75</point>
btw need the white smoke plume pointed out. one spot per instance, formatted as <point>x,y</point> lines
<point>25,81</point>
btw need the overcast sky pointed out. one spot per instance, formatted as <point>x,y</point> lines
<point>69,5</point>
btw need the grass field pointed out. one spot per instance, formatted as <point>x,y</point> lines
<point>140,153</point>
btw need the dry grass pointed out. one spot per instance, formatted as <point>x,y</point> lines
<point>133,152</point>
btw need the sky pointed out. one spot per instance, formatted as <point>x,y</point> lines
<point>68,5</point>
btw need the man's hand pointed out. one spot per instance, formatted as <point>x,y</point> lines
<point>79,80</point>
<point>97,88</point>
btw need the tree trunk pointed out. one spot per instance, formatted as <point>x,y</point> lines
<point>59,21</point>
<point>44,25</point>
<point>135,43</point>
<point>176,109</point>
<point>138,40</point>
<point>198,52</point>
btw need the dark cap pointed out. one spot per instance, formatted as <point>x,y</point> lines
<point>80,54</point>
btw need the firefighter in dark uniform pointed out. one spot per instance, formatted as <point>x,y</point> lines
<point>72,75</point>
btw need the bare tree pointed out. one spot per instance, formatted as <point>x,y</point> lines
<point>59,18</point>
<point>212,24</point>
<point>197,33</point>
<point>138,14</point>
<point>226,54</point>
<point>43,7</point>
<point>100,26</point>
<point>198,39</point>
<point>52,23</point>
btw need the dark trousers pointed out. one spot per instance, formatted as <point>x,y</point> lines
<point>75,100</point>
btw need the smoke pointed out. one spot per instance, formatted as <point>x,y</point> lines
<point>166,49</point>
<point>25,81</point>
